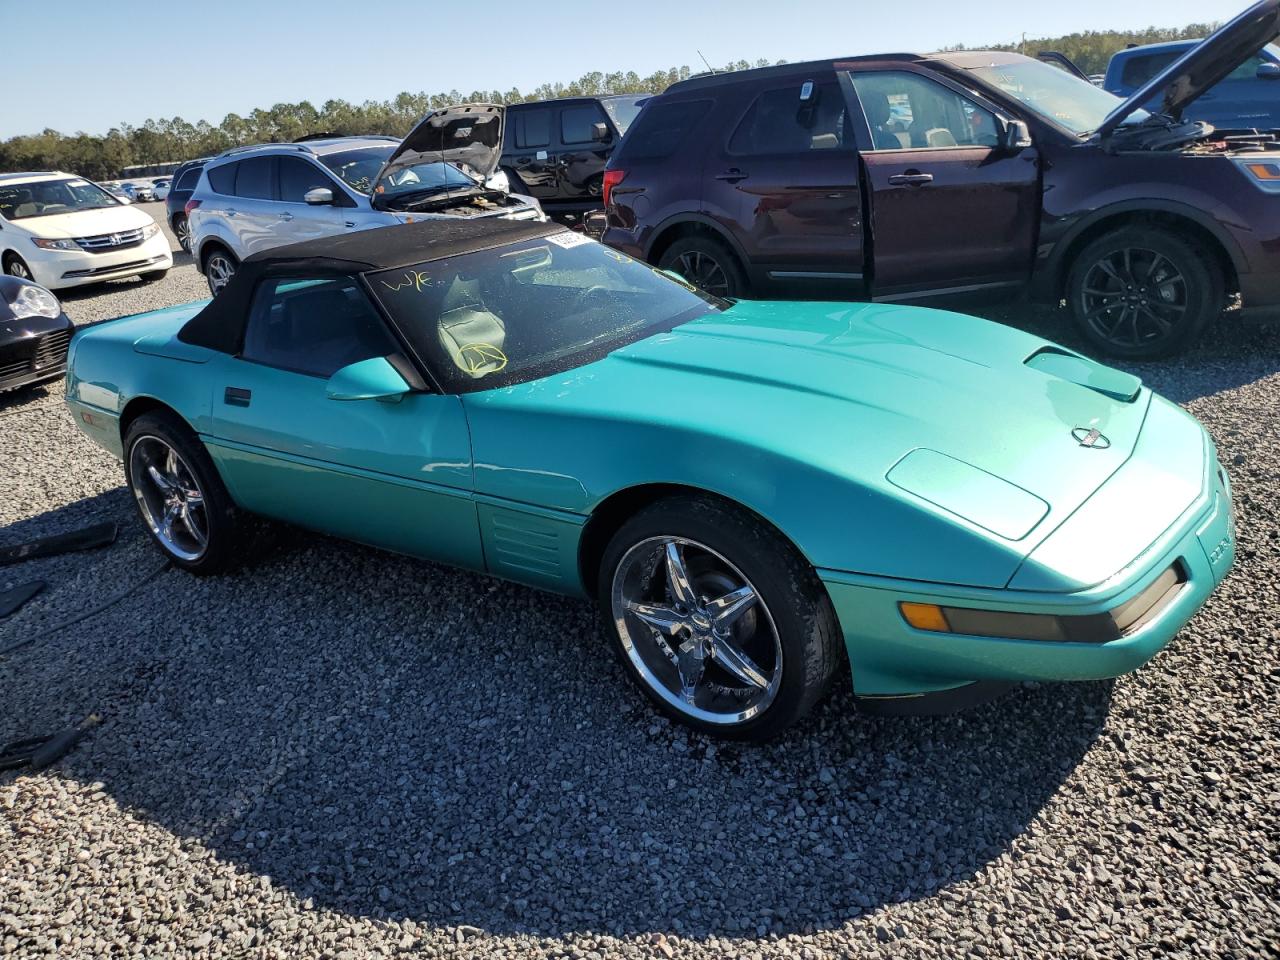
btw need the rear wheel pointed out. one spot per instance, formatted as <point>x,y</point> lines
<point>717,618</point>
<point>1142,293</point>
<point>180,496</point>
<point>219,267</point>
<point>182,230</point>
<point>14,266</point>
<point>706,263</point>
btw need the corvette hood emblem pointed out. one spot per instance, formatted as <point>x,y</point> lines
<point>1091,437</point>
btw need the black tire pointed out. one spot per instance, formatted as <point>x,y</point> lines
<point>217,261</point>
<point>1142,293</point>
<point>182,231</point>
<point>15,266</point>
<point>708,264</point>
<point>804,643</point>
<point>223,524</point>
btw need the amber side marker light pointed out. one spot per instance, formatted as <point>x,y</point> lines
<point>1264,171</point>
<point>925,616</point>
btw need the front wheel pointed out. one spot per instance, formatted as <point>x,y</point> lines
<point>706,263</point>
<point>1144,293</point>
<point>180,496</point>
<point>717,618</point>
<point>14,266</point>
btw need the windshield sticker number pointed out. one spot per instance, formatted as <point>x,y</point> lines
<point>569,240</point>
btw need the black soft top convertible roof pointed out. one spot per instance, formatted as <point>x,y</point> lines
<point>220,324</point>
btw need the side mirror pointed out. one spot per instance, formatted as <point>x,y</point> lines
<point>1014,136</point>
<point>373,379</point>
<point>318,196</point>
<point>600,132</point>
<point>1269,71</point>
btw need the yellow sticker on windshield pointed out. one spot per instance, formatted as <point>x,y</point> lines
<point>477,357</point>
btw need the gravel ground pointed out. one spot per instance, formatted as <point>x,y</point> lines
<point>342,753</point>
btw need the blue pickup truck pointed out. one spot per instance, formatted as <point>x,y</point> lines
<point>1248,97</point>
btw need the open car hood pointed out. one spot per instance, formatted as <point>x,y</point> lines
<point>1203,65</point>
<point>468,135</point>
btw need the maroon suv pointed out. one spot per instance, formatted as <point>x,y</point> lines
<point>905,177</point>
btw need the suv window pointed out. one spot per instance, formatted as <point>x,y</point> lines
<point>576,123</point>
<point>533,128</point>
<point>662,127</point>
<point>314,327</point>
<point>780,122</point>
<point>223,179</point>
<point>297,177</point>
<point>253,178</point>
<point>188,180</point>
<point>1138,70</point>
<point>909,112</point>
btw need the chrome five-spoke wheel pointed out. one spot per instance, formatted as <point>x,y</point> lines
<point>696,630</point>
<point>170,498</point>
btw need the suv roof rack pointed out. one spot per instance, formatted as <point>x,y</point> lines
<point>700,80</point>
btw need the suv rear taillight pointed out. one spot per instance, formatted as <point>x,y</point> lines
<point>611,179</point>
<point>191,205</point>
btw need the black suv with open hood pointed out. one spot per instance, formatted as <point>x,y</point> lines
<point>907,177</point>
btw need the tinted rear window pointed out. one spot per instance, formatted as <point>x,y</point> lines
<point>533,128</point>
<point>1138,70</point>
<point>189,180</point>
<point>223,179</point>
<point>662,127</point>
<point>253,178</point>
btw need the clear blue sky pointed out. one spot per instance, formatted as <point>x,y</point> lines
<point>89,65</point>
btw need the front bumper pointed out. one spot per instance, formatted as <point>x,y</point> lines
<point>892,660</point>
<point>35,359</point>
<point>60,269</point>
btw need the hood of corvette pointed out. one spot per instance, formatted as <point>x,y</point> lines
<point>884,381</point>
<point>936,412</point>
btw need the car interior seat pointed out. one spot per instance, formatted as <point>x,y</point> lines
<point>878,113</point>
<point>334,322</point>
<point>473,338</point>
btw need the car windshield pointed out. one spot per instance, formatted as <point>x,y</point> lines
<point>19,201</point>
<point>623,110</point>
<point>531,309</point>
<point>357,168</point>
<point>1056,95</point>
<point>401,185</point>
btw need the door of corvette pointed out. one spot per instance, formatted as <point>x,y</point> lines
<point>392,474</point>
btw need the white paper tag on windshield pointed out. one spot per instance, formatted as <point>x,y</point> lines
<point>568,239</point>
<point>77,183</point>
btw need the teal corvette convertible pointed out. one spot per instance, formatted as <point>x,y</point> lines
<point>747,489</point>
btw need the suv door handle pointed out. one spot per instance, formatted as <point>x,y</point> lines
<point>237,396</point>
<point>348,223</point>
<point>911,179</point>
<point>286,215</point>
<point>732,175</point>
<point>230,212</point>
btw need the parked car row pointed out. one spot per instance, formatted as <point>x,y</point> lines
<point>253,198</point>
<point>903,177</point>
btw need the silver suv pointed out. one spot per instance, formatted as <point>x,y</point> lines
<point>254,198</point>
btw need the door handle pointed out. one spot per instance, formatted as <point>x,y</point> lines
<point>732,175</point>
<point>911,179</point>
<point>348,223</point>
<point>230,212</point>
<point>286,215</point>
<point>237,396</point>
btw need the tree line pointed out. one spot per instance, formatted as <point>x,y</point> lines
<point>102,157</point>
<point>1091,50</point>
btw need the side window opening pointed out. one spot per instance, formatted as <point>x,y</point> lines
<point>576,123</point>
<point>314,326</point>
<point>223,179</point>
<point>906,111</point>
<point>533,128</point>
<point>786,121</point>
<point>662,128</point>
<point>255,178</point>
